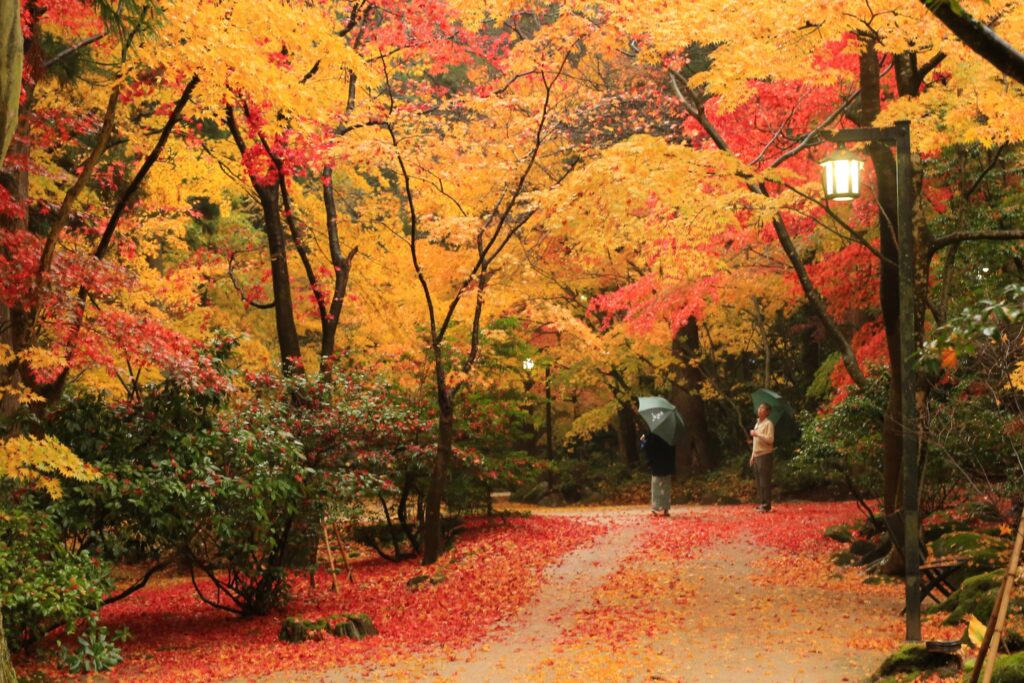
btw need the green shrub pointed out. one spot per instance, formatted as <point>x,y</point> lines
<point>840,448</point>
<point>244,492</point>
<point>95,652</point>
<point>46,585</point>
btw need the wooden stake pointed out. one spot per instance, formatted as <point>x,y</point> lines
<point>330,559</point>
<point>988,656</point>
<point>344,552</point>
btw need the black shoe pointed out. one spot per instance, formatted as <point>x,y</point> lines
<point>764,508</point>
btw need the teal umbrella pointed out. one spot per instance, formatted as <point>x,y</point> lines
<point>662,418</point>
<point>781,414</point>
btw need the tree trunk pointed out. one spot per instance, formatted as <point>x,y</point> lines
<point>15,181</point>
<point>698,455</point>
<point>432,541</point>
<point>12,48</point>
<point>284,315</point>
<point>549,439</point>
<point>7,674</point>
<point>628,436</point>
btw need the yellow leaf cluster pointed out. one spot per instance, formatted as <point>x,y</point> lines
<point>1017,377</point>
<point>41,462</point>
<point>262,49</point>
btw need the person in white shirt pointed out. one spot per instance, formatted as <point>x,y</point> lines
<point>762,437</point>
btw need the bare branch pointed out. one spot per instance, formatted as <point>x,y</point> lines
<point>147,164</point>
<point>72,49</point>
<point>241,290</point>
<point>59,223</point>
<point>979,235</point>
<point>985,42</point>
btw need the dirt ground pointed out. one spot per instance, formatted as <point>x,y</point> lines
<point>730,612</point>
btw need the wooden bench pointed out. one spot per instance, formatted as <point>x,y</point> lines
<point>936,574</point>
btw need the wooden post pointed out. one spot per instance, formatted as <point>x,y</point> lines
<point>330,559</point>
<point>344,553</point>
<point>987,656</point>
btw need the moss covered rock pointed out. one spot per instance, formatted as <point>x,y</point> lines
<point>861,547</point>
<point>914,658</point>
<point>354,626</point>
<point>982,552</point>
<point>976,595</point>
<point>1009,669</point>
<point>840,532</point>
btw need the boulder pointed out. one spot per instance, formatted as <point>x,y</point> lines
<point>981,551</point>
<point>1009,669</point>
<point>352,626</point>
<point>861,547</point>
<point>840,532</point>
<point>915,658</point>
<point>552,499</point>
<point>976,595</point>
<point>879,551</point>
<point>534,495</point>
<point>845,558</point>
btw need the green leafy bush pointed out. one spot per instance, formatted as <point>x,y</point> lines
<point>95,652</point>
<point>244,489</point>
<point>46,585</point>
<point>840,448</point>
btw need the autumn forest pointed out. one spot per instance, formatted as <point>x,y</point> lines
<point>324,323</point>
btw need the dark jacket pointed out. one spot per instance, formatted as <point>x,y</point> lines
<point>661,457</point>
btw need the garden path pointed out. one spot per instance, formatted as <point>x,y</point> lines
<point>658,599</point>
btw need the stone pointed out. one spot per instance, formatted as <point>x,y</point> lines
<point>534,495</point>
<point>839,532</point>
<point>365,624</point>
<point>861,547</point>
<point>915,658</point>
<point>293,630</point>
<point>981,551</point>
<point>352,630</point>
<point>1009,669</point>
<point>553,499</point>
<point>878,552</point>
<point>844,558</point>
<point>415,581</point>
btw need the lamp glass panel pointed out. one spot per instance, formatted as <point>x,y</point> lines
<point>842,178</point>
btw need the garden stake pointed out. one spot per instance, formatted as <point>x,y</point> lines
<point>987,657</point>
<point>989,628</point>
<point>344,552</point>
<point>330,559</point>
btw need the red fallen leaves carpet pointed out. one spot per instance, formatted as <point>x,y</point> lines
<point>651,595</point>
<point>493,570</point>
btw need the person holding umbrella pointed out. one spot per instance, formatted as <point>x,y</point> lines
<point>762,439</point>
<point>661,458</point>
<point>666,429</point>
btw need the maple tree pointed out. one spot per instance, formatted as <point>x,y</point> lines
<point>388,205</point>
<point>799,93</point>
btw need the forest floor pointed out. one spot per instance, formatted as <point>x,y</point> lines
<point>709,594</point>
<point>584,594</point>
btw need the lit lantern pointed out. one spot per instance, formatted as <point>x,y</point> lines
<point>841,175</point>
